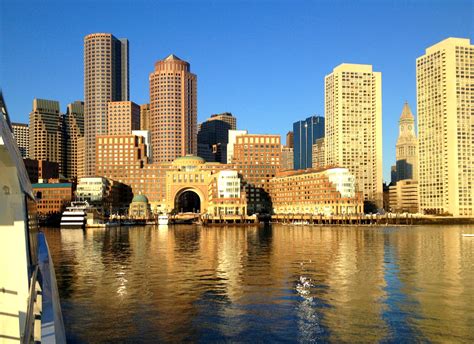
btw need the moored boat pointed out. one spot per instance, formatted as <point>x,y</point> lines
<point>163,219</point>
<point>75,215</point>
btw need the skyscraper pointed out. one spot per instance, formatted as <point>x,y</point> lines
<point>353,114</point>
<point>212,138</point>
<point>290,139</point>
<point>46,132</point>
<point>407,147</point>
<point>305,134</point>
<point>445,107</point>
<point>106,78</point>
<point>122,117</point>
<point>145,117</point>
<point>74,123</point>
<point>173,110</point>
<point>225,117</point>
<point>21,132</point>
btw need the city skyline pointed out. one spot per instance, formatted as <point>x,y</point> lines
<point>290,98</point>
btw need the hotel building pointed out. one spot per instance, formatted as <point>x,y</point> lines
<point>21,133</point>
<point>106,78</point>
<point>46,132</point>
<point>353,134</point>
<point>122,117</point>
<point>318,192</point>
<point>173,110</point>
<point>74,130</point>
<point>257,158</point>
<point>445,106</point>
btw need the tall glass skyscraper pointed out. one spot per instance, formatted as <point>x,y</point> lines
<point>305,134</point>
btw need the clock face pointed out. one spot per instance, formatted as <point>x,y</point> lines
<point>403,128</point>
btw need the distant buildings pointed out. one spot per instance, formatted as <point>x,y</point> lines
<point>445,106</point>
<point>46,133</point>
<point>305,134</point>
<point>403,196</point>
<point>318,192</point>
<point>290,139</point>
<point>122,117</point>
<point>106,78</point>
<point>39,170</point>
<point>212,138</point>
<point>353,115</point>
<point>319,158</point>
<point>145,117</point>
<point>173,109</point>
<point>21,132</point>
<point>225,117</point>
<point>74,131</point>
<point>233,134</point>
<point>286,158</point>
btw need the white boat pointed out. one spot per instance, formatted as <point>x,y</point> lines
<point>301,223</point>
<point>163,219</point>
<point>75,215</point>
<point>30,310</point>
<point>467,235</point>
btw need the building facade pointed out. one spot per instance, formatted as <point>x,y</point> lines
<point>319,158</point>
<point>52,198</point>
<point>106,78</point>
<point>39,170</point>
<point>290,139</point>
<point>445,108</point>
<point>305,134</point>
<point>407,147</point>
<point>74,130</point>
<point>173,110</point>
<point>257,158</point>
<point>145,117</point>
<point>286,158</point>
<point>318,192</point>
<point>21,133</point>
<point>122,117</point>
<point>403,196</point>
<point>46,133</point>
<point>226,117</point>
<point>233,134</point>
<point>353,132</point>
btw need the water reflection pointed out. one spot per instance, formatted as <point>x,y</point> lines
<point>181,283</point>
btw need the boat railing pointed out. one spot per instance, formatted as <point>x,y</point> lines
<point>33,310</point>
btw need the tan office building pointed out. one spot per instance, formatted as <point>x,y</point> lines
<point>445,106</point>
<point>21,132</point>
<point>319,159</point>
<point>46,132</point>
<point>145,117</point>
<point>353,125</point>
<point>74,122</point>
<point>173,110</point>
<point>106,78</point>
<point>123,117</point>
<point>403,196</point>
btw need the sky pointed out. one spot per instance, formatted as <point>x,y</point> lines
<point>264,61</point>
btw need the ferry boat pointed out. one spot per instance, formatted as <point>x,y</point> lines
<point>163,219</point>
<point>30,310</point>
<point>75,215</point>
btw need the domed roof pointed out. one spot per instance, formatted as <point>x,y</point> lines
<point>189,160</point>
<point>140,198</point>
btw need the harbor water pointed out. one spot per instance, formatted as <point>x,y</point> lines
<point>265,284</point>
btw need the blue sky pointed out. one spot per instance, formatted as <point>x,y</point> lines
<point>264,61</point>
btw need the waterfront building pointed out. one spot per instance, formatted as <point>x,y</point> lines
<point>353,131</point>
<point>316,191</point>
<point>226,196</point>
<point>106,78</point>
<point>403,196</point>
<point>92,189</point>
<point>46,132</point>
<point>407,147</point>
<point>305,134</point>
<point>140,208</point>
<point>74,130</point>
<point>122,117</point>
<point>173,109</point>
<point>105,194</point>
<point>257,157</point>
<point>445,106</point>
<point>286,158</point>
<point>290,139</point>
<point>39,170</point>
<point>52,198</point>
<point>212,139</point>
<point>233,134</point>
<point>145,117</point>
<point>21,133</point>
<point>226,117</point>
<point>319,158</point>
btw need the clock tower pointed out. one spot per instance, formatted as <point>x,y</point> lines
<point>407,147</point>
